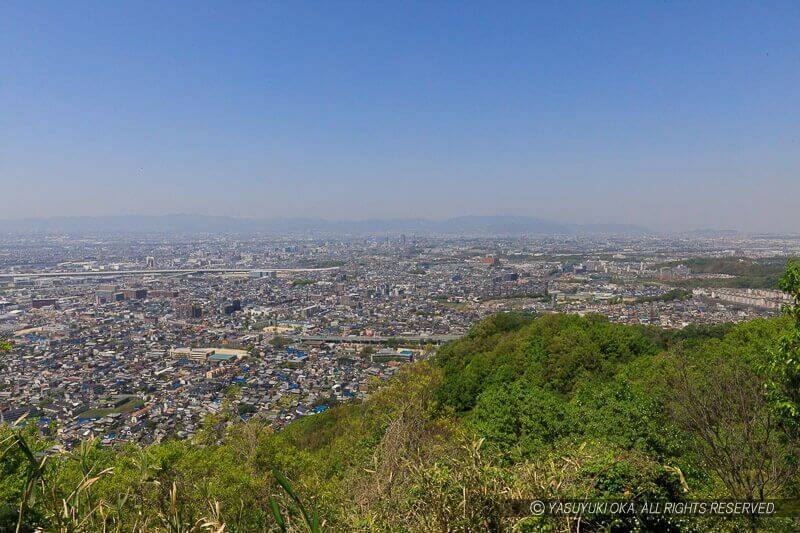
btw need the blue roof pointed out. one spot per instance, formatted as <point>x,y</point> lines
<point>222,357</point>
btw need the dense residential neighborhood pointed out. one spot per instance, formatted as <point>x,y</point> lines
<point>140,338</point>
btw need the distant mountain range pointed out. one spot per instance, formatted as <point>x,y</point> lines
<point>466,225</point>
<point>714,233</point>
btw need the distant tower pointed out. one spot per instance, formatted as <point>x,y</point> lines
<point>151,262</point>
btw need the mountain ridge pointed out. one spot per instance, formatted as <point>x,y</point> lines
<point>495,225</point>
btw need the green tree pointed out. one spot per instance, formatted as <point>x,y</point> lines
<point>521,418</point>
<point>784,367</point>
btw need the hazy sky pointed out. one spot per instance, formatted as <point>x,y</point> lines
<point>673,115</point>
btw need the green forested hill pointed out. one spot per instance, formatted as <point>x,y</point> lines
<point>522,407</point>
<point>748,273</point>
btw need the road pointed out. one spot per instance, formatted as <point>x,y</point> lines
<point>107,273</point>
<point>377,339</point>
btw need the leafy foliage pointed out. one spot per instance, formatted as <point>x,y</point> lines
<point>554,352</point>
<point>784,366</point>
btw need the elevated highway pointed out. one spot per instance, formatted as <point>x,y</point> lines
<point>111,273</point>
<point>378,339</point>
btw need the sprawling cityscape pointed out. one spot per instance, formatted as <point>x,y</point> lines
<point>139,338</point>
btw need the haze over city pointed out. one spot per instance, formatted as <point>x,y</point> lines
<point>671,116</point>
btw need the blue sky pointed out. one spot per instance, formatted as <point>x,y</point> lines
<point>673,115</point>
